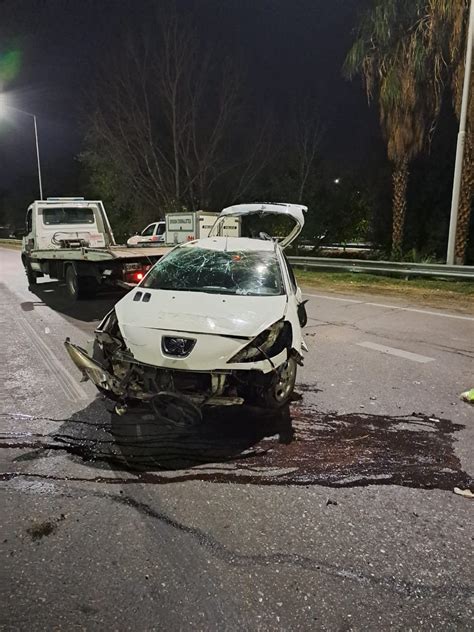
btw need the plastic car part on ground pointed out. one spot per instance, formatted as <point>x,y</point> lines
<point>468,396</point>
<point>467,493</point>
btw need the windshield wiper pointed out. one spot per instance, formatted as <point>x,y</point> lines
<point>209,289</point>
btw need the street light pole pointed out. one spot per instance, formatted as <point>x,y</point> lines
<point>461,141</point>
<point>33,116</point>
<point>38,157</point>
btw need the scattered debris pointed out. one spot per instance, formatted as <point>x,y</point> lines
<point>467,493</point>
<point>468,396</point>
<point>40,529</point>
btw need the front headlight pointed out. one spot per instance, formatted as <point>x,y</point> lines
<point>269,343</point>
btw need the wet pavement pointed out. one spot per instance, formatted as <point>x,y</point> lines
<point>296,446</point>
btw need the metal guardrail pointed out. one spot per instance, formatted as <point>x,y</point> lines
<point>385,267</point>
<point>397,268</point>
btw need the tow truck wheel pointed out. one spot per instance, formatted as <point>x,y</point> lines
<point>30,274</point>
<point>79,287</point>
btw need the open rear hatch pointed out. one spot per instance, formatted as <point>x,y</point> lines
<point>294,211</point>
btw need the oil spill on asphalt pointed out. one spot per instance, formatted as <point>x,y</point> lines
<point>297,446</point>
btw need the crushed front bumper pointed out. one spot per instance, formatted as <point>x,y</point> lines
<point>200,388</point>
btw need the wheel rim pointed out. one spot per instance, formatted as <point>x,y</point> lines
<point>285,382</point>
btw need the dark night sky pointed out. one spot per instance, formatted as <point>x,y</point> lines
<point>290,50</point>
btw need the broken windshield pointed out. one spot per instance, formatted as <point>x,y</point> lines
<point>253,273</point>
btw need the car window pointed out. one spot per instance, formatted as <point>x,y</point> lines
<point>161,229</point>
<point>148,231</point>
<point>197,269</point>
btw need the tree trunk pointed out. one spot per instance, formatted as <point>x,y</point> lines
<point>465,201</point>
<point>400,184</point>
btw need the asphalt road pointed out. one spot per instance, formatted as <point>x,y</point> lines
<point>338,514</point>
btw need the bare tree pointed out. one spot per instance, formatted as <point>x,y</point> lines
<point>307,134</point>
<point>167,117</point>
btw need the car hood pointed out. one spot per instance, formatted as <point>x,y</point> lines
<point>198,312</point>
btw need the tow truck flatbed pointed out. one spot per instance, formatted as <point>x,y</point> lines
<point>100,254</point>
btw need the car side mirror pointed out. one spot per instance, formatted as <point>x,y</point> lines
<point>302,314</point>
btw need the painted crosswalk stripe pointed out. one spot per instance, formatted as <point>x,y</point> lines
<point>400,353</point>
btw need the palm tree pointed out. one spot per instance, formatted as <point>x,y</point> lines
<point>408,52</point>
<point>387,57</point>
<point>467,183</point>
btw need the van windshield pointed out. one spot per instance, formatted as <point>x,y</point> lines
<point>67,215</point>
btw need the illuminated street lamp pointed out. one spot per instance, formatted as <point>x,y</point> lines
<point>4,106</point>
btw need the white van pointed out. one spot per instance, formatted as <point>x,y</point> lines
<point>181,227</point>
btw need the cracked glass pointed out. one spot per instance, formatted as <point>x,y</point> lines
<point>245,273</point>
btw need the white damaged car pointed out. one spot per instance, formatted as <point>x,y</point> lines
<point>216,321</point>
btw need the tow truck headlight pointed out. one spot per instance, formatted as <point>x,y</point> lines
<point>269,343</point>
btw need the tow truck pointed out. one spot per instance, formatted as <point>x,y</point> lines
<point>70,239</point>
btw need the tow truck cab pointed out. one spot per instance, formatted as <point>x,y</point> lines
<point>67,222</point>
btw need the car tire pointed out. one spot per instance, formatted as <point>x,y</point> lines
<point>79,287</point>
<point>279,393</point>
<point>278,389</point>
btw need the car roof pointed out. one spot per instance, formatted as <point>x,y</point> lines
<point>233,243</point>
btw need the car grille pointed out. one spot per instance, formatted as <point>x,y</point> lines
<point>176,346</point>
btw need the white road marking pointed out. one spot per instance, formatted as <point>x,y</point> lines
<point>403,309</point>
<point>400,353</point>
<point>68,384</point>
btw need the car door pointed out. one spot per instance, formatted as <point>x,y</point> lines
<point>295,211</point>
<point>28,241</point>
<point>296,310</point>
<point>300,303</point>
<point>158,235</point>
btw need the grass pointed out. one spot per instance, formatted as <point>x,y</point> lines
<point>7,243</point>
<point>437,292</point>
